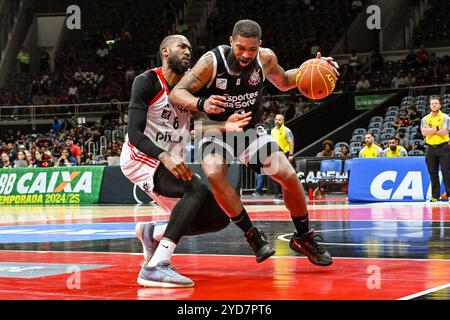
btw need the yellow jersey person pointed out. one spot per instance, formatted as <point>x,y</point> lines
<point>371,150</point>
<point>394,149</point>
<point>434,128</point>
<point>285,139</point>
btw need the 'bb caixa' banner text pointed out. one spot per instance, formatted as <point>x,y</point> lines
<point>51,185</point>
<point>390,179</point>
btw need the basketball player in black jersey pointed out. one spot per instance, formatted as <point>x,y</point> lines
<point>157,166</point>
<point>227,80</point>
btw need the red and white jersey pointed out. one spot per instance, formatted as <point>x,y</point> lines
<point>167,126</point>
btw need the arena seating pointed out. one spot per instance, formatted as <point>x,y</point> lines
<point>382,127</point>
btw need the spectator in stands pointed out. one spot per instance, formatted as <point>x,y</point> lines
<point>57,125</point>
<point>66,159</point>
<point>354,63</point>
<point>29,158</point>
<point>344,152</point>
<point>363,84</point>
<point>6,163</point>
<point>376,61</point>
<point>44,60</point>
<point>40,99</point>
<point>418,146</point>
<point>370,150</point>
<point>409,80</point>
<point>422,56</point>
<point>397,81</point>
<point>74,149</point>
<point>37,157</point>
<point>394,149</point>
<point>402,121</point>
<point>401,136</point>
<point>56,148</point>
<point>21,160</point>
<point>411,59</point>
<point>414,116</point>
<point>73,94</point>
<point>23,57</point>
<point>78,76</point>
<point>327,149</point>
<point>88,77</point>
<point>130,74</point>
<point>11,150</point>
<point>102,54</point>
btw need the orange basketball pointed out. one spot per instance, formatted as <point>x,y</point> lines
<point>316,79</point>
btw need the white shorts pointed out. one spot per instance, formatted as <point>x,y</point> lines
<point>140,169</point>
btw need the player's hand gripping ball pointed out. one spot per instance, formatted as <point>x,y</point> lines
<point>316,78</point>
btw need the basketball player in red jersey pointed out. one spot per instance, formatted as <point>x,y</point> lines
<point>227,80</point>
<point>152,158</point>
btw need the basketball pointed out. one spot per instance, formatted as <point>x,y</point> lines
<point>316,79</point>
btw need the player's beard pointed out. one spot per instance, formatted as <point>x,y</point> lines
<point>176,65</point>
<point>234,65</point>
<point>393,148</point>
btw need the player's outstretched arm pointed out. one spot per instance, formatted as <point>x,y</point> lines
<point>285,80</point>
<point>193,81</point>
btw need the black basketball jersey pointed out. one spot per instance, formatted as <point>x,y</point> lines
<point>243,90</point>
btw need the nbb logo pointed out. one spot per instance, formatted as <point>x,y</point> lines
<point>386,186</point>
<point>46,182</point>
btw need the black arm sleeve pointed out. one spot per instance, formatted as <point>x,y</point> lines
<point>145,87</point>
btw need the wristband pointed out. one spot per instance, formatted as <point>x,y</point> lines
<point>201,104</point>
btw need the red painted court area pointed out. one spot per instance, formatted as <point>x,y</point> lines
<point>383,251</point>
<point>228,277</point>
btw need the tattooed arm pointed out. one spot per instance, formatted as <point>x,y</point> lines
<point>284,80</point>
<point>194,80</point>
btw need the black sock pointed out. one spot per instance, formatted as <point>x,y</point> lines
<point>301,224</point>
<point>243,221</point>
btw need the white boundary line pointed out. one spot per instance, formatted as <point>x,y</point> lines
<point>422,293</point>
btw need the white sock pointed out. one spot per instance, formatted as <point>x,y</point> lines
<point>164,252</point>
<point>158,231</point>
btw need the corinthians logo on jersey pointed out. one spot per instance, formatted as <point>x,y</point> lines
<point>255,77</point>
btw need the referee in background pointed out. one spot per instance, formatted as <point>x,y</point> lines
<point>434,127</point>
<point>285,139</point>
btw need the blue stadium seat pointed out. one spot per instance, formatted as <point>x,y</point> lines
<point>416,141</point>
<point>415,153</point>
<point>334,165</point>
<point>390,118</point>
<point>393,108</point>
<point>391,131</point>
<point>340,144</point>
<point>347,165</point>
<point>355,150</point>
<point>359,131</point>
<point>391,113</point>
<point>375,124</point>
<point>357,137</point>
<point>376,119</point>
<point>375,131</point>
<point>355,144</point>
